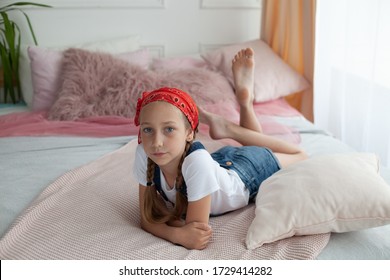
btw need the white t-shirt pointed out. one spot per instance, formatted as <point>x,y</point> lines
<point>203,176</point>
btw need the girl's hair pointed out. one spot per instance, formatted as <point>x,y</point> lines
<point>155,207</point>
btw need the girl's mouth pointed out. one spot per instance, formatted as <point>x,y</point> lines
<point>159,154</point>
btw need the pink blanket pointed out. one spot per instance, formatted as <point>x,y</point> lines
<point>92,212</point>
<point>36,123</point>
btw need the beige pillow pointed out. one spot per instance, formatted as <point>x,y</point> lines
<point>333,193</point>
<point>273,77</point>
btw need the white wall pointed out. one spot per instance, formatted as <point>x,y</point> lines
<point>170,27</point>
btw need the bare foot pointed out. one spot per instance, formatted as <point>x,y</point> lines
<point>217,124</point>
<point>243,66</point>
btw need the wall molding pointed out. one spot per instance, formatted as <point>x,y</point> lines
<point>147,4</point>
<point>230,4</point>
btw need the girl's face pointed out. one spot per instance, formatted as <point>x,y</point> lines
<point>164,133</point>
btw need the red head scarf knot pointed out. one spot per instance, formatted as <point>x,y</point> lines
<point>174,96</point>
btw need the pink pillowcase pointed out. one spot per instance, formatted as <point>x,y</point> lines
<point>98,84</point>
<point>46,72</point>
<point>273,77</point>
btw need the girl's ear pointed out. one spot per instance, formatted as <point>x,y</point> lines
<point>190,135</point>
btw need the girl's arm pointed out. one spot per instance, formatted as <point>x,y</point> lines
<point>193,235</point>
<point>199,211</point>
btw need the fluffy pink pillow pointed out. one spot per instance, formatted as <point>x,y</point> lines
<point>46,67</point>
<point>97,84</point>
<point>205,86</point>
<point>273,77</point>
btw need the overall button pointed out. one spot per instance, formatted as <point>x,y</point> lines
<point>229,163</point>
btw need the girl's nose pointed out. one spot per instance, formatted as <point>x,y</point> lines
<point>158,140</point>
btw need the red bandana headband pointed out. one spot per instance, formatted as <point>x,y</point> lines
<point>174,96</point>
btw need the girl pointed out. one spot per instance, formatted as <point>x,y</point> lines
<point>171,167</point>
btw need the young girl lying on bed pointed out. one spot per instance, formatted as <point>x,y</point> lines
<point>170,166</point>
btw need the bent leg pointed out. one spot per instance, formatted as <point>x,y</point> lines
<point>249,132</point>
<point>243,65</point>
<point>221,128</point>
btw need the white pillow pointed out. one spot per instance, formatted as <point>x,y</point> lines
<point>113,46</point>
<point>273,77</point>
<point>333,193</point>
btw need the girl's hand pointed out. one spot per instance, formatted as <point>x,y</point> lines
<point>195,235</point>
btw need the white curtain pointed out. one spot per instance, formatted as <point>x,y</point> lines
<point>352,73</point>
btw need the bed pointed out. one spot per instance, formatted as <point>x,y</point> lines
<point>67,189</point>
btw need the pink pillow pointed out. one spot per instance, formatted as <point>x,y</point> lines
<point>46,71</point>
<point>98,84</point>
<point>273,77</point>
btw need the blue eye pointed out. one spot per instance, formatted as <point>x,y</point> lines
<point>169,129</point>
<point>147,130</point>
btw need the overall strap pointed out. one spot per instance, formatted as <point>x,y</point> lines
<point>157,180</point>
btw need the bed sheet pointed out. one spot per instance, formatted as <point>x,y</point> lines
<point>29,164</point>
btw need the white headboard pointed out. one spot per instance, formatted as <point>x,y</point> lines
<point>167,27</point>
